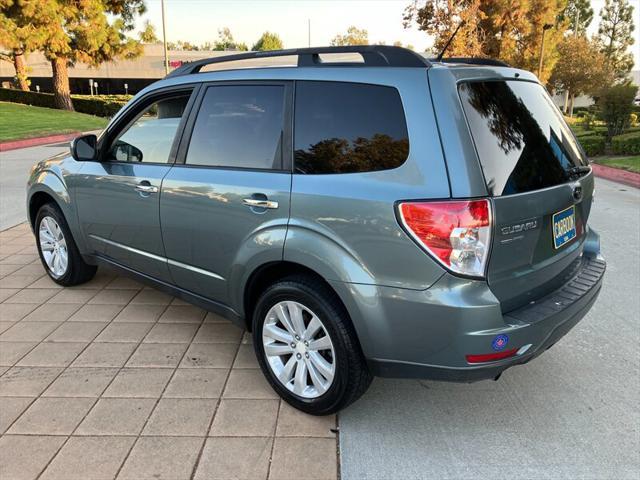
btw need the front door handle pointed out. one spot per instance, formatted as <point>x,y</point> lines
<point>260,203</point>
<point>146,188</point>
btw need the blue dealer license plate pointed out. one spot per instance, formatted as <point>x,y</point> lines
<point>564,226</point>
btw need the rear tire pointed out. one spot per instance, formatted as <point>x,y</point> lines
<point>58,251</point>
<point>334,371</point>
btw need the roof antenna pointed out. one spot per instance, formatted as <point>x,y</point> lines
<point>444,49</point>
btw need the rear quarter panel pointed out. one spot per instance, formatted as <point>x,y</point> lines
<point>344,226</point>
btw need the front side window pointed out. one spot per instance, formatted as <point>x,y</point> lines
<point>150,137</point>
<point>348,127</point>
<point>239,126</point>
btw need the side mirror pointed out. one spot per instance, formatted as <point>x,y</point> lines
<point>83,148</point>
<point>125,152</point>
<point>135,154</point>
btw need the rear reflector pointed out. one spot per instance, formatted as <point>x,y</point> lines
<point>491,357</point>
<point>456,233</point>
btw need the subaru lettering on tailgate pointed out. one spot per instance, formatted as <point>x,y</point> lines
<point>564,227</point>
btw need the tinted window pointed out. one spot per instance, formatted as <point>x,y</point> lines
<point>348,127</point>
<point>239,126</point>
<point>521,138</point>
<point>150,137</point>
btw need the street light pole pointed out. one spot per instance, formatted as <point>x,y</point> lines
<point>545,27</point>
<point>309,32</point>
<point>164,40</point>
<point>576,27</point>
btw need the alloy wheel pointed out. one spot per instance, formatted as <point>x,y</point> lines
<point>53,246</point>
<point>298,349</point>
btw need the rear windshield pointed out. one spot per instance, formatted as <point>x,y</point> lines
<point>521,138</point>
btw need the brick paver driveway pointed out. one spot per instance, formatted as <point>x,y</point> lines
<point>113,379</point>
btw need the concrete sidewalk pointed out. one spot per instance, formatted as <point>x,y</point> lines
<point>112,379</point>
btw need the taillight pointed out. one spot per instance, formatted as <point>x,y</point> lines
<point>456,233</point>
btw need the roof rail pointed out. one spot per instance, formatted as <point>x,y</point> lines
<point>474,61</point>
<point>373,56</point>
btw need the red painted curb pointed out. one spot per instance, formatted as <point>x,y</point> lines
<point>33,142</point>
<point>625,177</point>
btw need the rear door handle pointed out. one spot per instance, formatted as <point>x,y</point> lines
<point>260,203</point>
<point>145,188</point>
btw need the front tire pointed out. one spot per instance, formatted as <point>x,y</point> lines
<point>57,249</point>
<point>306,346</point>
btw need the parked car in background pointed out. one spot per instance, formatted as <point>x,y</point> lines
<point>393,216</point>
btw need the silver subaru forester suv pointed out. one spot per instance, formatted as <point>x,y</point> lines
<point>389,216</point>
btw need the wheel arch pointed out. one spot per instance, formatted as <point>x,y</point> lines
<point>269,273</point>
<point>48,188</point>
<point>37,200</point>
<point>266,275</point>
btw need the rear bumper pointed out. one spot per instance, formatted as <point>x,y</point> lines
<point>428,334</point>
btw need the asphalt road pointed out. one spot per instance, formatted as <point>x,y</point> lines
<point>14,169</point>
<point>574,412</point>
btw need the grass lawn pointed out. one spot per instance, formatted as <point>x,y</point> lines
<point>631,163</point>
<point>19,121</point>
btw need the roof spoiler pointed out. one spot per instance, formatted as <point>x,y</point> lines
<point>474,61</point>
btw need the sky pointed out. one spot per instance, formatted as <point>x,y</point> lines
<point>198,21</point>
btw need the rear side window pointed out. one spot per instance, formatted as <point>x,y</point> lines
<point>239,126</point>
<point>522,141</point>
<point>348,128</point>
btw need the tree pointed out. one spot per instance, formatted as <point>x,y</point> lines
<point>398,43</point>
<point>148,33</point>
<point>582,69</point>
<point>185,46</point>
<point>616,36</point>
<point>503,29</point>
<point>615,106</point>
<point>526,53</point>
<point>226,42</point>
<point>440,18</point>
<point>19,36</point>
<point>354,36</point>
<point>88,31</point>
<point>17,58</point>
<point>579,15</point>
<point>268,41</point>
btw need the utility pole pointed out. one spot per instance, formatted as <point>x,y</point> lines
<point>164,40</point>
<point>309,32</point>
<point>545,27</point>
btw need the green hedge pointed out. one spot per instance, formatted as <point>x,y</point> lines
<point>97,106</point>
<point>102,106</point>
<point>579,111</point>
<point>579,132</point>
<point>592,144</point>
<point>626,144</point>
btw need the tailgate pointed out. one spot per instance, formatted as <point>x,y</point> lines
<point>525,263</point>
<point>542,192</point>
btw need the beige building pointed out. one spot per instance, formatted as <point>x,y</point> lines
<point>111,76</point>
